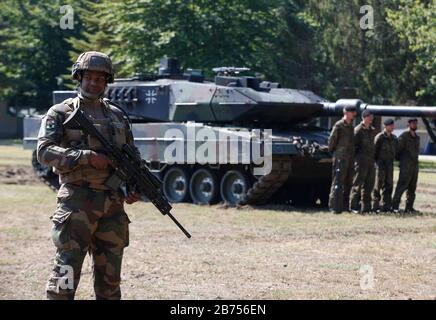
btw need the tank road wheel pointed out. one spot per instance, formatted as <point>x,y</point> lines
<point>176,185</point>
<point>204,187</point>
<point>234,187</point>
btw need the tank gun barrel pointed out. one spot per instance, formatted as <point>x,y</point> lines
<point>336,109</point>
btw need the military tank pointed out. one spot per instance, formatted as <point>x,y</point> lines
<point>179,112</point>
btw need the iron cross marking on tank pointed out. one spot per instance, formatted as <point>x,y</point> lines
<point>150,96</point>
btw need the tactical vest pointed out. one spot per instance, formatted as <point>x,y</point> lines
<point>111,126</point>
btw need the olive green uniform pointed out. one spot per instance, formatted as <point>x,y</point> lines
<point>408,152</point>
<point>385,150</point>
<point>364,172</point>
<point>341,144</point>
<point>90,216</point>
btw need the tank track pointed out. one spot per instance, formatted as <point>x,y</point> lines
<point>265,187</point>
<point>45,174</point>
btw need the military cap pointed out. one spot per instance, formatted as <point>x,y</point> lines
<point>350,108</point>
<point>412,119</point>
<point>388,122</point>
<point>366,113</point>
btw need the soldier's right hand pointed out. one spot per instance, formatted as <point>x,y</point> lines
<point>99,161</point>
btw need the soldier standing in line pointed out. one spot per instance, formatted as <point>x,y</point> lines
<point>385,150</point>
<point>341,144</point>
<point>364,175</point>
<point>408,152</point>
<point>90,216</point>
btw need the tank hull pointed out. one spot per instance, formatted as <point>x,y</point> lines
<point>288,175</point>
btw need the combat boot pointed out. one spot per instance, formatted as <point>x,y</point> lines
<point>335,211</point>
<point>412,211</point>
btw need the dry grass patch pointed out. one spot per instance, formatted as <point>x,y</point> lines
<point>249,253</point>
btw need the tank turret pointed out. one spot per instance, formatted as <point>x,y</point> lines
<point>231,97</point>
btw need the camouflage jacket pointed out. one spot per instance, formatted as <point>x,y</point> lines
<point>68,150</point>
<point>364,141</point>
<point>408,147</point>
<point>341,141</point>
<point>385,147</point>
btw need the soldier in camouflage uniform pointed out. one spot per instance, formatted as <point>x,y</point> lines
<point>364,174</point>
<point>90,217</point>
<point>341,144</point>
<point>408,152</point>
<point>385,150</point>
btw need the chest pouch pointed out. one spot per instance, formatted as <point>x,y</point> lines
<point>104,127</point>
<point>114,181</point>
<point>119,133</point>
<point>75,139</point>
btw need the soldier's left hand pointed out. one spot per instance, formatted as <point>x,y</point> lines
<point>132,197</point>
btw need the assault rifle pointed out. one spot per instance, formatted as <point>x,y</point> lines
<point>129,168</point>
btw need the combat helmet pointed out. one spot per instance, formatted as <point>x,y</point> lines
<point>93,60</point>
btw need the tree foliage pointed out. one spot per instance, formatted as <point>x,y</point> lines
<point>33,51</point>
<point>202,34</point>
<point>415,25</point>
<point>315,45</point>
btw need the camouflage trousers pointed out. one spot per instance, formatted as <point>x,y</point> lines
<point>342,177</point>
<point>94,221</point>
<point>383,186</point>
<point>407,180</point>
<point>363,182</point>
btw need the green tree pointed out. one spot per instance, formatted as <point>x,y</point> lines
<point>34,51</point>
<point>349,56</point>
<point>290,52</point>
<point>415,24</point>
<point>317,45</point>
<point>202,34</point>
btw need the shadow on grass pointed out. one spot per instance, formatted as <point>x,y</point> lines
<point>320,210</point>
<point>275,207</point>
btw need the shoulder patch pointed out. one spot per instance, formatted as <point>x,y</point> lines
<point>50,124</point>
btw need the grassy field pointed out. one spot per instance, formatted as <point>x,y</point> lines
<point>249,253</point>
<point>14,155</point>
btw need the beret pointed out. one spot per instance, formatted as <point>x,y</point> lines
<point>388,122</point>
<point>366,113</point>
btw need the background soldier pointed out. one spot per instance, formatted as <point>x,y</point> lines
<point>408,152</point>
<point>385,150</point>
<point>364,175</point>
<point>89,216</point>
<point>341,143</point>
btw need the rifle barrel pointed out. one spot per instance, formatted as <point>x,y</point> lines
<point>179,225</point>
